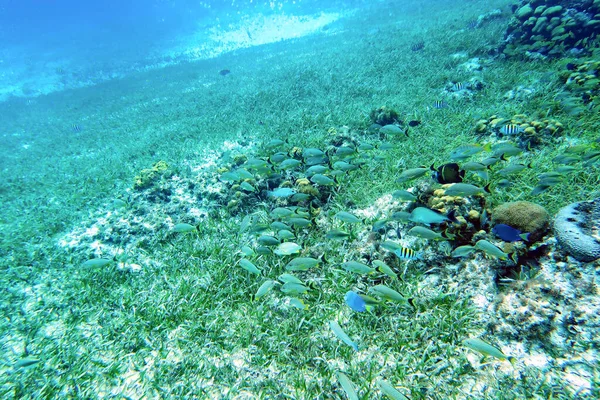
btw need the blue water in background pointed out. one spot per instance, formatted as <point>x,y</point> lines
<point>51,45</point>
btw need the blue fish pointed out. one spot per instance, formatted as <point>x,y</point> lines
<point>355,302</point>
<point>509,234</point>
<point>281,192</point>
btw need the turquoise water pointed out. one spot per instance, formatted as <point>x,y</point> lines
<point>155,190</point>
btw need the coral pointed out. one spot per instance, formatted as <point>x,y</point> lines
<point>148,176</point>
<point>525,216</point>
<point>384,116</point>
<point>577,229</point>
<point>530,133</point>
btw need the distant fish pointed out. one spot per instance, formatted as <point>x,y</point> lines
<point>439,104</point>
<point>509,234</point>
<point>224,72</point>
<point>414,123</point>
<point>448,173</point>
<point>487,349</point>
<point>458,86</point>
<point>338,331</point>
<point>418,46</point>
<point>466,189</point>
<point>77,128</point>
<point>511,129</point>
<point>281,193</point>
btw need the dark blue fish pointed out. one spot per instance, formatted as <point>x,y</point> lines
<point>355,302</point>
<point>417,46</point>
<point>224,72</point>
<point>509,234</point>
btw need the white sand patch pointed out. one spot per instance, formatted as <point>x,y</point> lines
<point>249,31</point>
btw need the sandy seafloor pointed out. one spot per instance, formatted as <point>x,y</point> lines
<point>75,134</point>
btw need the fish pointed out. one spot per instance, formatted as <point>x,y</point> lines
<point>389,391</point>
<point>274,143</point>
<point>475,166</point>
<point>268,240</point>
<point>345,216</point>
<point>423,215</point>
<point>298,303</point>
<point>339,332</point>
<point>408,254</point>
<point>414,123</point>
<point>462,251</point>
<point>248,266</point>
<point>285,234</point>
<point>77,128</point>
<point>281,192</point>
<point>355,302</point>
<point>387,293</point>
<point>506,150</point>
<point>426,233</point>
<point>299,197</point>
<point>316,169</point>
<point>448,173</point>
<point>312,152</point>
<point>357,267</point>
<point>299,222</point>
<point>344,151</point>
<point>392,130</point>
<point>466,189</point>
<point>281,212</point>
<point>230,177</point>
<point>337,235</point>
<point>290,163</point>
<point>302,264</point>
<point>224,72</point>
<point>384,268</point>
<point>294,288</point>
<point>322,180</point>
<point>263,251</point>
<point>278,157</point>
<point>403,195</point>
<point>439,104</point>
<point>504,183</point>
<point>244,173</point>
<point>247,251</point>
<point>26,362</point>
<point>264,289</point>
<point>512,129</point>
<point>289,278</point>
<point>513,169</point>
<point>465,151</point>
<point>400,216</point>
<point>390,246</point>
<point>316,160</point>
<point>509,234</point>
<point>411,174</point>
<point>96,263</point>
<point>458,86</point>
<point>344,166</point>
<point>347,385</point>
<point>490,249</point>
<point>185,228</point>
<point>366,147</point>
<point>278,225</point>
<point>417,46</point>
<point>287,249</point>
<point>487,349</point>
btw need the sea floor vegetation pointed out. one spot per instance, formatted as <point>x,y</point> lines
<point>148,223</point>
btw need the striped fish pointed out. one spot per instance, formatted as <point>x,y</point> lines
<point>511,129</point>
<point>458,86</point>
<point>408,254</point>
<point>439,104</point>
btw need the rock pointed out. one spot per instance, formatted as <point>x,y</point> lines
<point>524,12</point>
<point>525,216</point>
<point>577,230</point>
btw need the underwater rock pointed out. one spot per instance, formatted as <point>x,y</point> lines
<point>577,230</point>
<point>525,216</point>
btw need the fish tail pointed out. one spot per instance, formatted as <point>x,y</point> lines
<point>487,188</point>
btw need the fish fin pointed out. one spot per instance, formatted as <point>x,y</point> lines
<point>447,235</point>
<point>515,257</point>
<point>323,259</point>
<point>512,360</point>
<point>528,165</point>
<point>525,236</point>
<point>487,188</point>
<point>503,157</point>
<point>487,147</point>
<point>432,167</point>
